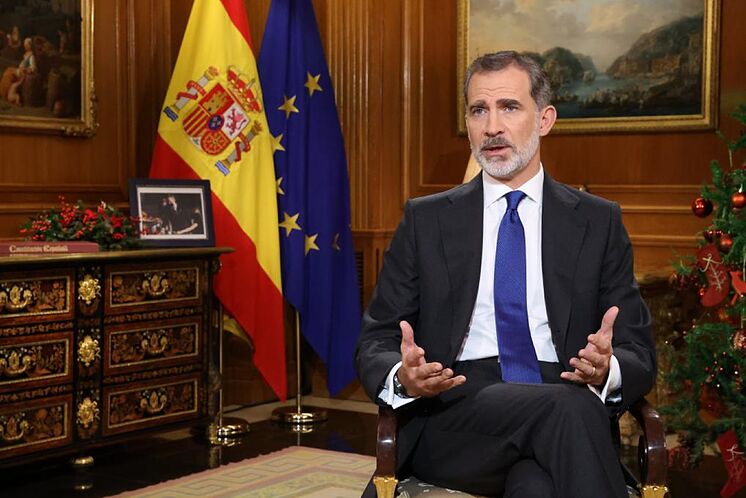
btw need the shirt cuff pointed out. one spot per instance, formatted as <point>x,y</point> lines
<point>613,381</point>
<point>387,393</point>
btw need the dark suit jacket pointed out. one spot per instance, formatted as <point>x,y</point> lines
<point>431,273</point>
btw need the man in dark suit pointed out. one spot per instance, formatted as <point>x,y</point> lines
<point>507,322</point>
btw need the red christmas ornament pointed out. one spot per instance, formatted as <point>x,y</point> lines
<point>725,243</point>
<point>735,464</point>
<point>739,340</point>
<point>739,286</point>
<point>738,200</point>
<point>718,279</point>
<point>711,234</point>
<point>701,207</point>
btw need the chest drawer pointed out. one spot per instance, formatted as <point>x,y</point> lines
<point>36,296</point>
<point>154,286</point>
<point>35,360</point>
<point>32,426</point>
<point>131,407</point>
<point>137,346</point>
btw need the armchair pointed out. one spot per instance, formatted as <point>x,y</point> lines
<point>652,457</point>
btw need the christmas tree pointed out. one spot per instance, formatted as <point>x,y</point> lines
<point>708,359</point>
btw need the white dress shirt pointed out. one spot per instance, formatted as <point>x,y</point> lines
<point>481,337</point>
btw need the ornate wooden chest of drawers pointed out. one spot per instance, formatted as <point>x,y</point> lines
<point>100,346</point>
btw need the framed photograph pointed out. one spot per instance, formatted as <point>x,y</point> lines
<point>46,67</point>
<point>614,65</point>
<point>172,212</point>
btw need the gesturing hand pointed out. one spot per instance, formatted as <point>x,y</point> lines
<point>418,377</point>
<point>592,364</point>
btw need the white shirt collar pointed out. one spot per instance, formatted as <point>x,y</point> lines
<point>495,189</point>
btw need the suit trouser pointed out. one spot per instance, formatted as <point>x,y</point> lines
<point>476,432</point>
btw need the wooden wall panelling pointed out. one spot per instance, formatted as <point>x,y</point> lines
<point>149,51</point>
<point>363,44</point>
<point>435,156</point>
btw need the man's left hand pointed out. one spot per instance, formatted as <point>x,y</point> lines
<point>592,363</point>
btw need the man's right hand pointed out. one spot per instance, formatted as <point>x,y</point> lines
<point>418,377</point>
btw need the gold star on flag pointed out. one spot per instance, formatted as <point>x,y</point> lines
<point>279,188</point>
<point>288,106</point>
<point>311,243</point>
<point>290,223</point>
<point>335,243</point>
<point>312,83</point>
<point>277,143</point>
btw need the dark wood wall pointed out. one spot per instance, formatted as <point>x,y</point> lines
<point>393,63</point>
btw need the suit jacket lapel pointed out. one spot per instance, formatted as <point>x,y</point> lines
<point>562,237</point>
<point>461,233</point>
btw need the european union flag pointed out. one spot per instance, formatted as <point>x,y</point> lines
<point>318,264</point>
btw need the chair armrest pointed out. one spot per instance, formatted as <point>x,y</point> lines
<point>386,442</point>
<point>384,477</point>
<point>652,454</point>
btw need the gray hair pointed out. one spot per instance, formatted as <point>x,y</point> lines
<point>541,91</point>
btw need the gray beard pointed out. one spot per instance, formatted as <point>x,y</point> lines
<point>512,166</point>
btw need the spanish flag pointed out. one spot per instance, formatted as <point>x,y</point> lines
<point>213,126</point>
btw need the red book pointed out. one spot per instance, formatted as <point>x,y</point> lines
<point>39,248</point>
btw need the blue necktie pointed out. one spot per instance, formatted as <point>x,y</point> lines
<point>518,361</point>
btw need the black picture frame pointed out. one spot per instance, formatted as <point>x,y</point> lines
<point>172,212</point>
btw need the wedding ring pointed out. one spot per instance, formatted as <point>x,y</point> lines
<point>594,371</point>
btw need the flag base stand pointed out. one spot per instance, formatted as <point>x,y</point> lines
<point>226,431</point>
<point>292,415</point>
<point>299,420</point>
<point>232,427</point>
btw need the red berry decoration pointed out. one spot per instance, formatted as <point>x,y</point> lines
<point>738,200</point>
<point>701,207</point>
<point>725,243</point>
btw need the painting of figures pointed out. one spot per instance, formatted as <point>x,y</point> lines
<point>45,59</point>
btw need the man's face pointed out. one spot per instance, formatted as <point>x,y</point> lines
<point>504,123</point>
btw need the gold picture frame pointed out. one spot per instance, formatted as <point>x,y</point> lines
<point>606,109</point>
<point>46,68</point>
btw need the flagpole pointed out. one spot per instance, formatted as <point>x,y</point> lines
<point>300,420</point>
<point>227,428</point>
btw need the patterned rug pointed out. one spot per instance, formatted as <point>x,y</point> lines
<point>292,472</point>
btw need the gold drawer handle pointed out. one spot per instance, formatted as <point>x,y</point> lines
<point>11,430</point>
<point>15,298</point>
<point>153,402</point>
<point>88,351</point>
<point>154,343</point>
<point>88,289</point>
<point>155,284</point>
<point>15,362</point>
<point>88,412</point>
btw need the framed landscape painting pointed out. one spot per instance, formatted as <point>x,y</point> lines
<point>614,65</point>
<point>46,66</point>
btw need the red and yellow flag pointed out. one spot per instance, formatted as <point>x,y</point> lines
<point>213,127</point>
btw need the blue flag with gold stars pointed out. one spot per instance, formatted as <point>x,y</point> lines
<point>318,264</point>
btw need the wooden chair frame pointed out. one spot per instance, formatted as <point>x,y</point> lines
<point>652,456</point>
